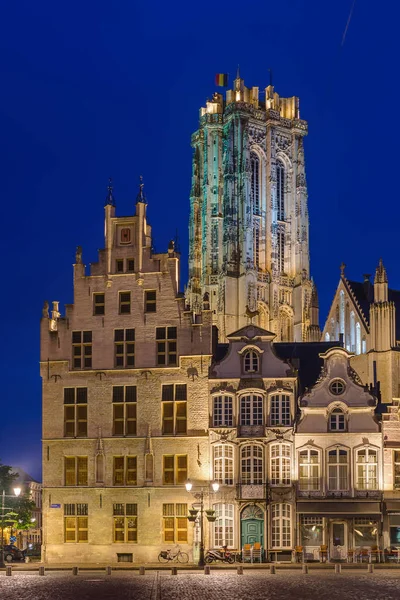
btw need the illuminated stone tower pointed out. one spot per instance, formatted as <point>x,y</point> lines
<point>249,247</point>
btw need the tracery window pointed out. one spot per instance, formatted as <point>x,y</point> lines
<point>255,182</point>
<point>281,250</point>
<point>280,190</point>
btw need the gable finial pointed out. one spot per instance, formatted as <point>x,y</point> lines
<point>110,197</point>
<point>342,268</point>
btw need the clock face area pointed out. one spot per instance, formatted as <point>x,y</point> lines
<point>125,236</point>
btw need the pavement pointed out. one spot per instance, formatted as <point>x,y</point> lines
<point>286,584</point>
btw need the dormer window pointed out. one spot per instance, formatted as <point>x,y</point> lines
<point>337,421</point>
<point>251,361</point>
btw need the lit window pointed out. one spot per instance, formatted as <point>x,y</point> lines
<point>309,470</point>
<point>251,465</point>
<point>125,470</point>
<point>338,470</point>
<point>124,410</point>
<point>281,528</point>
<point>75,412</point>
<point>223,526</point>
<point>337,420</point>
<point>396,466</point>
<point>125,522</point>
<point>175,523</point>
<point>76,470</point>
<point>251,361</point>
<point>82,349</point>
<point>124,348</point>
<point>174,469</point>
<point>174,409</point>
<point>223,464</point>
<point>251,410</point>
<point>166,346</point>
<point>223,411</point>
<point>280,410</point>
<point>76,523</point>
<point>367,469</point>
<point>280,464</point>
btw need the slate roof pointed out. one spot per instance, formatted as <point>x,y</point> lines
<point>364,294</point>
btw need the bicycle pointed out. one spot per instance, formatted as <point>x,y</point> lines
<point>167,555</point>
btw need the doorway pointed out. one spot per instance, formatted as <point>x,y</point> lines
<point>338,540</point>
<point>252,525</point>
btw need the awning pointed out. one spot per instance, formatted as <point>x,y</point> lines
<point>393,506</point>
<point>332,509</point>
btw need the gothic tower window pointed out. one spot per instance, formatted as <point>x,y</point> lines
<point>341,313</point>
<point>255,182</point>
<point>257,244</point>
<point>358,338</point>
<point>280,190</point>
<point>281,250</point>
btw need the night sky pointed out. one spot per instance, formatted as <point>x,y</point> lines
<point>98,89</point>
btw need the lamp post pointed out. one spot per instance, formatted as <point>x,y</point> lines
<point>194,513</point>
<point>17,492</point>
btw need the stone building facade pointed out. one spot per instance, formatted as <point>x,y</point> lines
<point>248,231</point>
<point>125,402</point>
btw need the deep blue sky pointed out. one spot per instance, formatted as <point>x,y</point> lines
<point>98,89</point>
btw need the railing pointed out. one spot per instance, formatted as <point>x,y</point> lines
<point>327,494</point>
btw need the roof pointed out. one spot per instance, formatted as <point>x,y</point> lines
<point>364,294</point>
<point>304,356</point>
<point>251,331</point>
<point>23,476</point>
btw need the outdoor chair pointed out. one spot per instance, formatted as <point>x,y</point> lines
<point>350,556</point>
<point>323,553</point>
<point>246,553</point>
<point>257,551</point>
<point>298,554</point>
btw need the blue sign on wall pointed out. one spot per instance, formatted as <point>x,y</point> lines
<point>13,539</point>
<point>55,505</point>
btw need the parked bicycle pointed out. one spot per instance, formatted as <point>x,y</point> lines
<point>171,555</point>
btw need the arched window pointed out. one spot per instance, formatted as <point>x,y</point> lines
<point>223,464</point>
<point>251,410</point>
<point>223,526</point>
<point>338,470</point>
<point>358,338</point>
<point>367,469</point>
<point>281,527</point>
<point>251,465</point>
<point>352,332</point>
<point>251,361</point>
<point>256,243</point>
<point>327,337</point>
<point>337,420</point>
<point>223,411</point>
<point>280,245</point>
<point>280,410</point>
<point>280,190</point>
<point>309,470</point>
<point>364,346</point>
<point>280,464</point>
<point>255,182</point>
<point>341,312</point>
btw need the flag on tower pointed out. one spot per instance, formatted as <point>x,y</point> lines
<point>221,79</point>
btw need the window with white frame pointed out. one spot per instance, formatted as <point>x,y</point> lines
<point>251,464</point>
<point>280,410</point>
<point>281,526</point>
<point>309,470</point>
<point>251,410</point>
<point>337,420</point>
<point>367,469</point>
<point>280,464</point>
<point>338,470</point>
<point>223,411</point>
<point>251,361</point>
<point>223,526</point>
<point>223,464</point>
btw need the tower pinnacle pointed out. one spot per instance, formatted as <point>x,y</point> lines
<point>110,197</point>
<point>141,197</point>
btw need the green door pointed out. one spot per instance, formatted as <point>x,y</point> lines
<point>252,526</point>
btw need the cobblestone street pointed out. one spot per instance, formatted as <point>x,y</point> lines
<point>286,584</point>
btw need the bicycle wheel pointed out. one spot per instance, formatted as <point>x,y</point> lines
<point>162,558</point>
<point>183,557</point>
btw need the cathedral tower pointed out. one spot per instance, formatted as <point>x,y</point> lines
<point>248,232</point>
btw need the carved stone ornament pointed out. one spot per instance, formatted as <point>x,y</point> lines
<point>45,310</point>
<point>78,255</point>
<point>282,142</point>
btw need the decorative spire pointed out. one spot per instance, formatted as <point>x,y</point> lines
<point>110,198</point>
<point>238,72</point>
<point>314,297</point>
<point>342,268</point>
<point>141,197</point>
<point>380,273</point>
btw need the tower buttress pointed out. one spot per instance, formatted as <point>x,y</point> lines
<point>382,313</point>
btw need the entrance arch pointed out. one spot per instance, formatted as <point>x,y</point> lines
<point>252,525</point>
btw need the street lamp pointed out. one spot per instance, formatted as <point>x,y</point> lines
<point>17,491</point>
<point>194,513</point>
